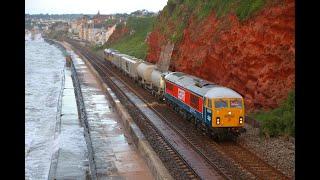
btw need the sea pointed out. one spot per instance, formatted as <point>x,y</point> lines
<point>45,79</point>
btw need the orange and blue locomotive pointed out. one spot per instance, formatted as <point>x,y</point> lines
<point>216,108</point>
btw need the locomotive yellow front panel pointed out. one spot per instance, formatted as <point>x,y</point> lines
<point>228,113</point>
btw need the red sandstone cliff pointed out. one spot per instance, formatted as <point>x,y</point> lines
<point>255,57</point>
<point>120,31</point>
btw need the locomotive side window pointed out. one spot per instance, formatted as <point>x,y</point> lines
<point>209,103</point>
<point>194,101</point>
<point>236,103</point>
<point>220,103</point>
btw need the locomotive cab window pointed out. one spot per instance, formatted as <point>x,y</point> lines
<point>209,103</point>
<point>236,103</point>
<point>220,103</point>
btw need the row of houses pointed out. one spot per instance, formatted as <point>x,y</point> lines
<point>96,30</point>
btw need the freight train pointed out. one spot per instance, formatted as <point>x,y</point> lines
<point>216,109</point>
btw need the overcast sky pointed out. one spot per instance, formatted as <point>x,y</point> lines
<point>91,6</point>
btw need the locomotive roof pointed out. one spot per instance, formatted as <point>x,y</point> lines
<point>200,86</point>
<point>222,92</point>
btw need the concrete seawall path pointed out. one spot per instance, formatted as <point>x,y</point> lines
<point>115,156</point>
<point>70,159</point>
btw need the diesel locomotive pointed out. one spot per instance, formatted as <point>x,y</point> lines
<point>218,110</point>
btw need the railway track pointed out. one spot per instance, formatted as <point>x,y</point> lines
<point>228,158</point>
<point>180,169</point>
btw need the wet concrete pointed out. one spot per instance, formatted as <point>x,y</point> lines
<point>115,155</point>
<point>72,162</point>
<point>156,166</point>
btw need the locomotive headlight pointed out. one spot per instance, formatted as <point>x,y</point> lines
<point>218,120</point>
<point>241,120</point>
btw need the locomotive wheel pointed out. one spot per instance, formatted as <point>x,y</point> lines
<point>184,116</point>
<point>177,109</point>
<point>196,124</point>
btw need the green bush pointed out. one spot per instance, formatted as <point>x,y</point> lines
<point>280,121</point>
<point>97,47</point>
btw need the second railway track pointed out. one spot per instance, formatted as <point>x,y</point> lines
<point>224,157</point>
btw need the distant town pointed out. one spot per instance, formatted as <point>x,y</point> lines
<point>94,29</point>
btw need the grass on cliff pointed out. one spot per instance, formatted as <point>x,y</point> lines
<point>179,11</point>
<point>243,9</point>
<point>280,121</point>
<point>134,43</point>
<point>248,7</point>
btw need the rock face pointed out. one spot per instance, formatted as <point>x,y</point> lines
<point>118,33</point>
<point>255,57</point>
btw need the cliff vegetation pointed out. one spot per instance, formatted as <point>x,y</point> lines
<point>130,37</point>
